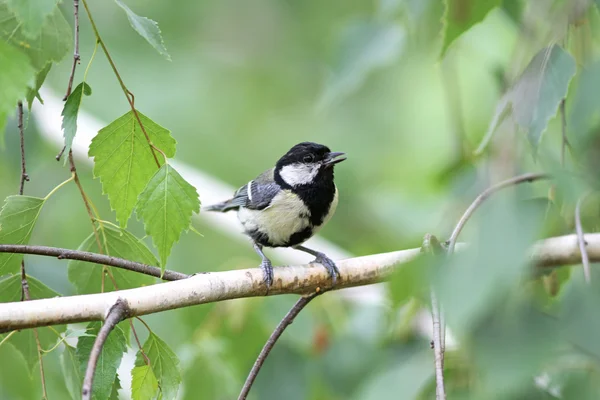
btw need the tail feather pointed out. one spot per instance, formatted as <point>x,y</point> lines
<point>221,207</point>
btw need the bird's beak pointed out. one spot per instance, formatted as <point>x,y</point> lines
<point>334,158</point>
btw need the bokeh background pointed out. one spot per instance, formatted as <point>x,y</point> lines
<point>248,80</point>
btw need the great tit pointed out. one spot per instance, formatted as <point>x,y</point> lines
<point>286,205</point>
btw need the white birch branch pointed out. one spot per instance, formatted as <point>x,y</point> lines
<point>218,286</point>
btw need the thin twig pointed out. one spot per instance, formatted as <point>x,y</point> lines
<point>76,57</point>
<point>117,313</point>
<point>565,141</point>
<point>25,294</point>
<point>440,391</point>
<point>530,177</point>
<point>127,92</point>
<point>264,353</point>
<point>95,258</point>
<point>585,260</point>
<point>24,176</point>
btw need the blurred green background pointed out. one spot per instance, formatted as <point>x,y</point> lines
<point>248,80</point>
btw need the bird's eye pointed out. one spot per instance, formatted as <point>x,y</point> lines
<point>309,158</point>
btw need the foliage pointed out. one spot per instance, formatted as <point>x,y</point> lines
<point>432,101</point>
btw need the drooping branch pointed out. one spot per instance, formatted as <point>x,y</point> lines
<point>94,258</point>
<point>218,286</point>
<point>117,313</point>
<point>266,350</point>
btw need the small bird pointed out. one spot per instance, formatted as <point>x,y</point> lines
<point>286,205</point>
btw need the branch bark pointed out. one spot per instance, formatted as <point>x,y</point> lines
<point>219,286</point>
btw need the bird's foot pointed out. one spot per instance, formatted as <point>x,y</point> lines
<point>329,265</point>
<point>267,270</point>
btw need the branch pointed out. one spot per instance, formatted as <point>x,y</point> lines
<point>117,313</point>
<point>585,261</point>
<point>76,56</point>
<point>219,286</point>
<point>94,258</point>
<point>24,176</point>
<point>266,350</point>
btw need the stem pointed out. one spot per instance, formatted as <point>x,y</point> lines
<point>565,142</point>
<point>76,57</point>
<point>440,391</point>
<point>7,337</point>
<point>24,176</point>
<point>585,260</point>
<point>264,353</point>
<point>58,187</point>
<point>94,258</point>
<point>127,92</point>
<point>118,312</point>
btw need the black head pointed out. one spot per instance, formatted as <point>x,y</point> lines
<point>307,163</point>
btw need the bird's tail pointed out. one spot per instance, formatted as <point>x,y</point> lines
<point>221,207</point>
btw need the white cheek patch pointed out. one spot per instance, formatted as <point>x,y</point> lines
<point>299,174</point>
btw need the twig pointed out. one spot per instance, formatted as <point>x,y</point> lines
<point>24,176</point>
<point>585,260</point>
<point>565,141</point>
<point>264,353</point>
<point>530,177</point>
<point>25,294</point>
<point>127,92</point>
<point>440,391</point>
<point>76,57</point>
<point>117,313</point>
<point>95,258</point>
<point>236,284</point>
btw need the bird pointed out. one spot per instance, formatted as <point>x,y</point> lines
<point>287,204</point>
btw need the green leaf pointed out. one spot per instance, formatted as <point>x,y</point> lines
<point>31,14</point>
<point>87,278</point>
<point>71,372</point>
<point>164,364</point>
<point>166,205</point>
<point>24,341</point>
<point>69,113</point>
<point>461,15</point>
<point>33,93</point>
<point>124,162</point>
<point>16,74</point>
<point>114,394</point>
<point>536,95</point>
<point>52,44</point>
<point>143,383</point>
<point>147,29</point>
<point>108,362</point>
<point>365,46</point>
<point>17,219</point>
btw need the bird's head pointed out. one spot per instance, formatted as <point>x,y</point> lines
<point>307,163</point>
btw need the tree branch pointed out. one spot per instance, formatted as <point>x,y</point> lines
<point>24,176</point>
<point>585,261</point>
<point>76,56</point>
<point>117,313</point>
<point>218,286</point>
<point>266,350</point>
<point>94,258</point>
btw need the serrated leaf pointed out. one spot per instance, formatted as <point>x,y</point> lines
<point>31,14</point>
<point>87,278</point>
<point>69,114</point>
<point>164,364</point>
<point>124,162</point>
<point>461,15</point>
<point>108,362</point>
<point>17,219</point>
<point>71,372</point>
<point>143,383</point>
<point>147,28</point>
<point>166,206</point>
<point>52,44</point>
<point>114,394</point>
<point>534,99</point>
<point>33,93</point>
<point>364,47</point>
<point>16,73</point>
<point>24,341</point>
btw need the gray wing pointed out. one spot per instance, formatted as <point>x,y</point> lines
<point>255,195</point>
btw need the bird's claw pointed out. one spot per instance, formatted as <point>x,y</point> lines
<point>329,265</point>
<point>267,270</point>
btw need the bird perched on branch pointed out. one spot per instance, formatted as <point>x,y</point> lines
<point>286,205</point>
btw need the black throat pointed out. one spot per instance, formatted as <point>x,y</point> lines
<point>317,195</point>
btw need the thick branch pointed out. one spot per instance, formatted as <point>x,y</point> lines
<point>218,286</point>
<point>117,313</point>
<point>92,258</point>
<point>581,240</point>
<point>264,353</point>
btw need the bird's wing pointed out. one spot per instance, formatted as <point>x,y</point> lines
<point>255,195</point>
